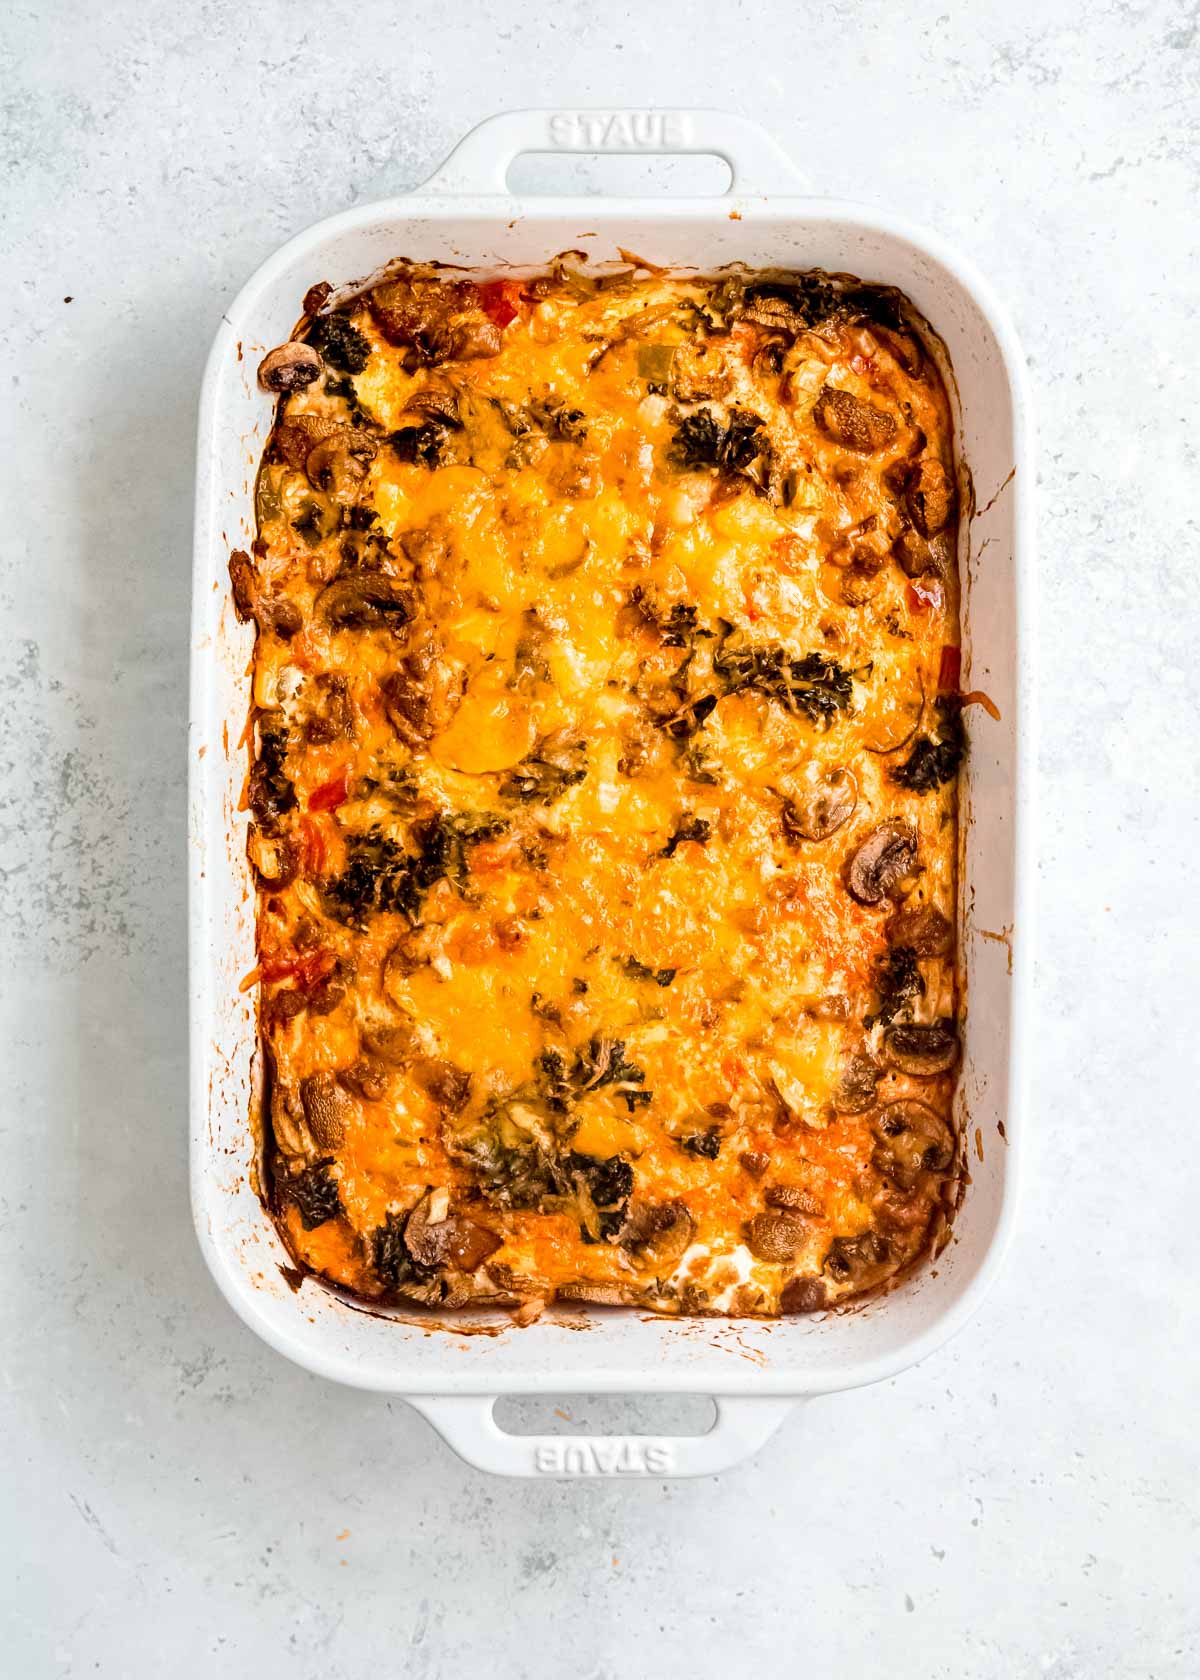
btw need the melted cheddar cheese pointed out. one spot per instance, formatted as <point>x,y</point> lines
<point>603,797</point>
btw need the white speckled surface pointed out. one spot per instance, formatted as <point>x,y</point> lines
<point>179,1498</point>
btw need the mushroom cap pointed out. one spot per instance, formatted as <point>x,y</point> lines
<point>338,463</point>
<point>923,928</point>
<point>817,808</point>
<point>657,1233</point>
<point>289,367</point>
<point>327,1108</point>
<point>436,1238</point>
<point>911,1138</point>
<point>850,1259</point>
<point>922,1051</point>
<point>362,599</point>
<point>929,496</point>
<point>883,859</point>
<point>803,1295</point>
<point>853,423</point>
<point>794,1198</point>
<point>855,1089</point>
<point>776,1237</point>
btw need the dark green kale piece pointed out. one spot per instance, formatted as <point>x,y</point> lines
<point>315,1193</point>
<point>339,343</point>
<point>935,759</point>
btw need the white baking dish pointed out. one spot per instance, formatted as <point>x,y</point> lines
<point>756,1370</point>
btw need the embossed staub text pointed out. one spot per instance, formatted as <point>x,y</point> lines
<point>618,131</point>
<point>629,1456</point>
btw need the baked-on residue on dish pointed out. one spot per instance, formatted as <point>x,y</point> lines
<point>603,799</point>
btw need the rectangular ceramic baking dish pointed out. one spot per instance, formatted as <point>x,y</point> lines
<point>756,1371</point>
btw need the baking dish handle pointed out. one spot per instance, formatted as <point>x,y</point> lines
<point>467,1425</point>
<point>480,162</point>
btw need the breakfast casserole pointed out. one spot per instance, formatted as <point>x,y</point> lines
<point>605,743</point>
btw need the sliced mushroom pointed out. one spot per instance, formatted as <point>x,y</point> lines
<point>853,423</point>
<point>316,297</point>
<point>274,858</point>
<point>794,1198</point>
<point>776,1237</point>
<point>447,1085</point>
<point>855,1089</point>
<point>922,1051</point>
<point>853,1259</point>
<point>923,928</point>
<point>289,368</point>
<point>860,581</point>
<point>413,950</point>
<point>327,1108</point>
<point>816,811</point>
<point>243,583</point>
<point>442,403</point>
<point>910,1139</point>
<point>803,1295</point>
<point>363,599</point>
<point>295,438</point>
<point>656,1234</point>
<point>929,496</point>
<point>883,859</point>
<point>287,1121</point>
<point>332,711</point>
<point>326,997</point>
<point>338,464</point>
<point>278,614</point>
<point>436,1237</point>
<point>913,554</point>
<point>472,336</point>
<point>421,696</point>
<point>599,1294</point>
<point>396,1044</point>
<point>368,1077</point>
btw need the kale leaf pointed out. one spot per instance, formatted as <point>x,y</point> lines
<point>738,446</point>
<point>896,979</point>
<point>546,774</point>
<point>315,1193</point>
<point>339,343</point>
<point>935,759</point>
<point>602,1061</point>
<point>553,415</point>
<point>394,1265</point>
<point>271,793</point>
<point>689,828</point>
<point>378,876</point>
<point>814,684</point>
<point>424,444</point>
<point>381,875</point>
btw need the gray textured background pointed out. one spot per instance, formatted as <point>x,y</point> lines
<point>179,1498</point>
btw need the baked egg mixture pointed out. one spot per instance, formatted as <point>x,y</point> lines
<point>606,735</point>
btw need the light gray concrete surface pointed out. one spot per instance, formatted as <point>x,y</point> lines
<point>177,1499</point>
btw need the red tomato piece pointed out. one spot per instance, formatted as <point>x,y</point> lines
<point>500,300</point>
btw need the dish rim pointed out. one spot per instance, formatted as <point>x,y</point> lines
<point>792,211</point>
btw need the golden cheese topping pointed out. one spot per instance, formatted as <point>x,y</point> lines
<point>606,737</point>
